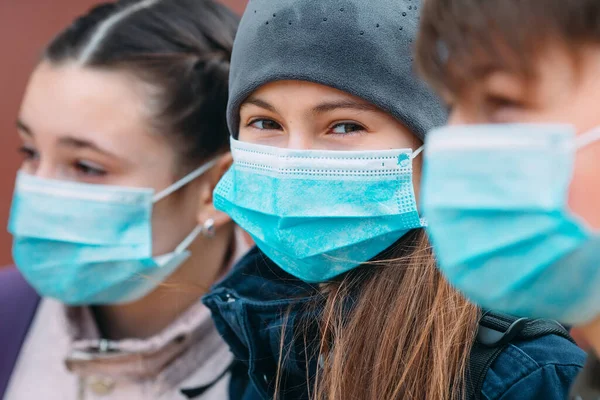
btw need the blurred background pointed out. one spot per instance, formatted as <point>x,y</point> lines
<point>25,27</point>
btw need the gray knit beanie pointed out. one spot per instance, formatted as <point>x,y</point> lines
<point>362,47</point>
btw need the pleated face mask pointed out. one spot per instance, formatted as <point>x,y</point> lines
<point>495,197</point>
<point>315,213</point>
<point>87,244</point>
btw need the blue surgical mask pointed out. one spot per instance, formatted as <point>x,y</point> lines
<point>87,244</point>
<point>315,213</point>
<point>495,197</point>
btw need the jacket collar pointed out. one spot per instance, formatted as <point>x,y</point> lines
<point>259,310</point>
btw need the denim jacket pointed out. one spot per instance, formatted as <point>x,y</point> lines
<point>258,303</point>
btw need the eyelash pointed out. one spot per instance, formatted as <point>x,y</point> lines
<point>89,170</point>
<point>361,129</point>
<point>28,153</point>
<point>254,121</point>
<point>501,109</point>
<point>83,168</point>
<point>499,101</point>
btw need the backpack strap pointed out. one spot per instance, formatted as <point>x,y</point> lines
<point>496,331</point>
<point>18,302</point>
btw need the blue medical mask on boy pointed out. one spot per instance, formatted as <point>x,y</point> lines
<point>317,213</point>
<point>495,197</point>
<point>86,244</point>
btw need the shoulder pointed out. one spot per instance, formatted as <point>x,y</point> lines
<point>15,289</point>
<point>41,357</point>
<point>543,368</point>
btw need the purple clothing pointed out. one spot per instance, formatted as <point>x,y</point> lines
<point>18,302</point>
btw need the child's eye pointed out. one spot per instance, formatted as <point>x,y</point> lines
<point>265,124</point>
<point>502,109</point>
<point>28,153</point>
<point>346,128</point>
<point>499,102</point>
<point>89,169</point>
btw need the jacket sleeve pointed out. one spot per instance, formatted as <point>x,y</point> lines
<point>548,382</point>
<point>543,368</point>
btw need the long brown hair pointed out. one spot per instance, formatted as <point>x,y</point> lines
<point>408,334</point>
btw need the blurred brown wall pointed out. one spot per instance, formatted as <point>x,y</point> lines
<point>25,27</point>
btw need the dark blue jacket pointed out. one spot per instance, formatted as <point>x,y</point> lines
<point>252,305</point>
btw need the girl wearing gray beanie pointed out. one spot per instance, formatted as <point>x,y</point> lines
<point>342,299</point>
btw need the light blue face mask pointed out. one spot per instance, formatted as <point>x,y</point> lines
<point>318,214</point>
<point>90,244</point>
<point>495,197</point>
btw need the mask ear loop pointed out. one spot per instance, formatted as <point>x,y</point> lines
<point>414,155</point>
<point>178,185</point>
<point>189,239</point>
<point>185,180</point>
<point>417,152</point>
<point>207,229</point>
<point>587,138</point>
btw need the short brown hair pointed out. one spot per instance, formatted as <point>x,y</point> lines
<point>482,35</point>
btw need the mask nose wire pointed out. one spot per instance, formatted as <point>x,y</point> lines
<point>587,138</point>
<point>184,181</point>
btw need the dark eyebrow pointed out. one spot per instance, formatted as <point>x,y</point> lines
<point>343,104</point>
<point>23,128</point>
<point>69,141</point>
<point>260,103</point>
<point>319,109</point>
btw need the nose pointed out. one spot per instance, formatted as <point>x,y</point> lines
<point>45,170</point>
<point>299,140</point>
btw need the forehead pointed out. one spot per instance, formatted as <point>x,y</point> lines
<point>551,64</point>
<point>105,106</point>
<point>459,55</point>
<point>310,89</point>
<point>302,96</point>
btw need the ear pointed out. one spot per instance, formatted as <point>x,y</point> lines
<point>206,209</point>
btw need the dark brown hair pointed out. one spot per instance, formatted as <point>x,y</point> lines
<point>180,48</point>
<point>461,40</point>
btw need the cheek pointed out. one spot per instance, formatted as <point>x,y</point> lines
<point>164,227</point>
<point>244,134</point>
<point>584,192</point>
<point>29,167</point>
<point>173,218</point>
